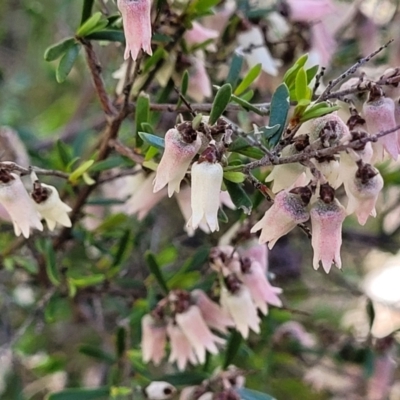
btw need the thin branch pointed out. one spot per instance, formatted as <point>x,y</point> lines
<point>11,166</point>
<point>125,151</point>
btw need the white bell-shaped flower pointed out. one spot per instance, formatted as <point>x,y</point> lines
<point>49,205</point>
<point>159,390</point>
<point>16,201</point>
<point>206,186</point>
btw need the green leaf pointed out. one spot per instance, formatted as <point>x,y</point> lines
<point>158,55</point>
<point>290,76</point>
<point>80,394</point>
<point>202,6</point>
<point>86,10</point>
<point>64,153</point>
<point>248,95</point>
<point>97,353</point>
<point>120,343</point>
<point>67,62</point>
<point>301,85</point>
<point>251,76</point>
<point>239,196</point>
<point>111,35</point>
<point>184,86</point>
<point>222,217</point>
<point>51,263</point>
<point>248,394</point>
<point>241,146</point>
<point>57,50</point>
<point>156,270</point>
<point>318,112</point>
<point>236,177</point>
<point>280,105</point>
<point>235,69</point>
<point>93,24</point>
<point>232,348</point>
<point>87,281</point>
<point>311,73</point>
<point>142,114</point>
<point>75,175</point>
<point>247,106</point>
<point>123,245</point>
<point>111,162</point>
<point>153,140</point>
<point>267,132</point>
<point>222,99</point>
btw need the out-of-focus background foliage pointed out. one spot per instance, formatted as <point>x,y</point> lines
<point>91,338</point>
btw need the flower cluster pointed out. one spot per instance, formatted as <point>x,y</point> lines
<point>26,210</point>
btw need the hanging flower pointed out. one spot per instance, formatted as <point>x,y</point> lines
<point>327,216</point>
<point>262,292</point>
<point>255,252</point>
<point>214,316</point>
<point>207,177</point>
<point>16,201</point>
<point>236,299</point>
<point>137,26</point>
<point>199,87</point>
<point>197,332</point>
<point>200,34</point>
<point>363,191</point>
<point>307,10</point>
<point>181,349</point>
<point>379,113</point>
<point>48,203</point>
<point>154,335</point>
<point>180,148</point>
<point>329,130</point>
<point>288,210</point>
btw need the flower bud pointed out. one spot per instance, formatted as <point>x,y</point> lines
<point>175,161</point>
<point>327,216</point>
<point>137,26</point>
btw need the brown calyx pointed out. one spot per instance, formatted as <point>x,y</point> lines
<point>5,176</point>
<point>354,120</point>
<point>39,194</point>
<point>365,172</point>
<point>233,283</point>
<point>210,154</point>
<point>304,193</point>
<point>375,93</point>
<point>301,142</point>
<point>187,132</point>
<point>327,193</point>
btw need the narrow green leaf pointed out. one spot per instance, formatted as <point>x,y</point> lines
<point>280,105</point>
<point>239,196</point>
<point>248,394</point>
<point>75,175</point>
<point>301,85</point>
<point>235,69</point>
<point>97,353</point>
<point>318,112</point>
<point>111,162</point>
<point>232,348</point>
<point>221,100</point>
<point>290,75</point>
<point>142,114</point>
<point>153,140</point>
<point>123,245</point>
<point>311,73</point>
<point>202,6</point>
<point>111,35</point>
<point>155,270</point>
<point>86,10</point>
<point>184,86</point>
<point>91,25</point>
<point>247,106</point>
<point>51,264</point>
<point>158,55</point>
<point>267,132</point>
<point>87,281</point>
<point>248,95</point>
<point>67,62</point>
<point>222,217</point>
<point>81,394</point>
<point>236,177</point>
<point>64,153</point>
<point>57,50</point>
<point>241,146</point>
<point>250,77</point>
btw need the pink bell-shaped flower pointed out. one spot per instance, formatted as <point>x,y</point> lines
<point>181,350</point>
<point>327,216</point>
<point>137,26</point>
<point>154,337</point>
<point>288,210</point>
<point>16,201</point>
<point>199,34</point>
<point>363,191</point>
<point>255,252</point>
<point>329,130</point>
<point>199,87</point>
<point>262,292</point>
<point>236,299</point>
<point>379,113</point>
<point>214,316</point>
<point>197,332</point>
<point>207,176</point>
<point>180,148</point>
